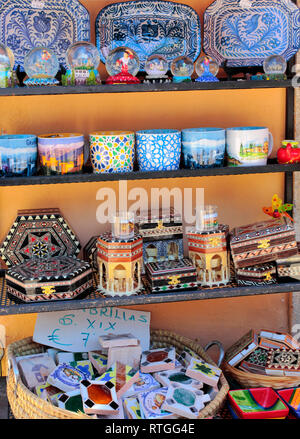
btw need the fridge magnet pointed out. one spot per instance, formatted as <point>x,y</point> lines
<point>121,376</point>
<point>129,355</point>
<point>36,369</point>
<point>132,408</point>
<point>184,401</point>
<point>41,65</point>
<point>204,372</point>
<point>122,65</point>
<point>178,376</point>
<point>71,401</point>
<point>151,404</point>
<point>156,360</point>
<point>242,348</point>
<point>99,398</point>
<point>289,152</point>
<point>113,340</point>
<point>283,362</point>
<point>67,377</point>
<point>98,361</point>
<point>145,383</point>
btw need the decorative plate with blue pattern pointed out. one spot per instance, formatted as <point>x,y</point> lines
<point>55,24</point>
<point>245,32</point>
<point>149,27</point>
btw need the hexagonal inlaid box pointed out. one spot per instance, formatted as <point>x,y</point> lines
<point>38,233</point>
<point>57,278</point>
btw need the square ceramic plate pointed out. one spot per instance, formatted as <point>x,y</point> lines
<point>56,24</point>
<point>149,27</point>
<point>245,32</point>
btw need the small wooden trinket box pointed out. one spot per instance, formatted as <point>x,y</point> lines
<point>242,348</point>
<point>262,242</point>
<point>283,362</point>
<point>171,276</point>
<point>263,274</point>
<point>42,280</point>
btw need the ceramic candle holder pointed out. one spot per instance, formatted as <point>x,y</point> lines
<point>112,151</point>
<point>158,150</point>
<point>203,147</point>
<point>18,154</point>
<point>61,153</point>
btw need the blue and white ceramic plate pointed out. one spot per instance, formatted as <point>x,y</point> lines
<point>149,27</point>
<point>245,32</point>
<point>55,24</point>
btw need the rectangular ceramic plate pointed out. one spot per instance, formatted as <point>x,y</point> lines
<point>245,32</point>
<point>149,27</point>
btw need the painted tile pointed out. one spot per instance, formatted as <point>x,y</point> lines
<point>67,377</point>
<point>132,408</point>
<point>184,401</point>
<point>145,383</point>
<point>207,373</point>
<point>113,340</point>
<point>156,360</point>
<point>170,377</point>
<point>151,404</point>
<point>121,376</point>
<point>99,398</point>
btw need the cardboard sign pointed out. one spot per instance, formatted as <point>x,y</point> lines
<point>78,331</point>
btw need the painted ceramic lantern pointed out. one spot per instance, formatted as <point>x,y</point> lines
<point>158,150</point>
<point>122,65</point>
<point>112,151</point>
<point>83,60</point>
<point>156,67</point>
<point>61,153</point>
<point>41,65</point>
<point>6,64</point>
<point>182,69</point>
<point>207,69</point>
<point>18,154</point>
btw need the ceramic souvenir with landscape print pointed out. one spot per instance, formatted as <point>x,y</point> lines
<point>203,147</point>
<point>149,27</point>
<point>112,151</point>
<point>18,154</point>
<point>245,32</point>
<point>55,24</point>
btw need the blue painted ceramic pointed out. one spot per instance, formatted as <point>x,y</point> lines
<point>149,27</point>
<point>55,24</point>
<point>18,155</point>
<point>203,147</point>
<point>245,32</point>
<point>158,150</point>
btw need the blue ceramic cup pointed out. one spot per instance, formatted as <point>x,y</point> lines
<point>203,147</point>
<point>158,150</point>
<point>18,154</point>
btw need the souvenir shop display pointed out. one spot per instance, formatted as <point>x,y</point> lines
<point>18,155</point>
<point>203,147</point>
<point>207,69</point>
<point>158,149</point>
<point>38,233</point>
<point>41,65</point>
<point>54,24</point>
<point>149,27</point>
<point>61,153</point>
<point>83,60</point>
<point>122,65</point>
<point>246,32</point>
<point>275,67</point>
<point>182,69</point>
<point>289,152</point>
<point>156,68</point>
<point>120,261</point>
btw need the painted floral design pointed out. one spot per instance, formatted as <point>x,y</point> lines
<point>112,153</point>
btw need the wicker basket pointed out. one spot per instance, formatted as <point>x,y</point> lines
<point>249,380</point>
<point>26,405</point>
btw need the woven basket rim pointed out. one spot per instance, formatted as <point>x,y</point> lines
<point>32,403</point>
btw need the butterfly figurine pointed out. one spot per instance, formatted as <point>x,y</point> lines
<point>278,210</point>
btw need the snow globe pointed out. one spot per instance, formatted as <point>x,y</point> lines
<point>207,69</point>
<point>41,65</point>
<point>275,67</point>
<point>6,64</point>
<point>83,60</point>
<point>156,68</point>
<point>122,65</point>
<point>182,69</point>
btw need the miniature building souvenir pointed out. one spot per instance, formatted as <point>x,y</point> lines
<point>90,253</point>
<point>263,274</point>
<point>262,242</point>
<point>171,276</point>
<point>122,64</point>
<point>35,369</point>
<point>38,233</point>
<point>156,68</point>
<point>168,377</point>
<point>83,60</point>
<point>99,398</point>
<point>204,372</point>
<point>61,153</point>
<point>145,383</point>
<point>207,69</point>
<point>41,66</point>
<point>67,378</point>
<point>120,262</point>
<point>151,404</point>
<point>121,376</point>
<point>156,360</point>
<point>283,362</point>
<point>56,278</point>
<point>182,69</point>
<point>162,234</point>
<point>132,408</point>
<point>184,401</point>
<point>209,254</point>
<point>241,348</point>
<point>18,155</point>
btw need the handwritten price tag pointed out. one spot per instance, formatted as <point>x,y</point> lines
<point>78,331</point>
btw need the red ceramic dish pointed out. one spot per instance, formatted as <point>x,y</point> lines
<point>291,397</point>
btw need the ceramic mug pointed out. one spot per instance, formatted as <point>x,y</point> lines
<point>112,151</point>
<point>203,147</point>
<point>248,146</point>
<point>61,153</point>
<point>158,149</point>
<point>18,154</point>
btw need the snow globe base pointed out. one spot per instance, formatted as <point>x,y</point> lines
<point>122,78</point>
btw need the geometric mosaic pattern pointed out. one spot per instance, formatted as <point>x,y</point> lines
<point>36,234</point>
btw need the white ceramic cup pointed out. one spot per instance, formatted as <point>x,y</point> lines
<point>248,146</point>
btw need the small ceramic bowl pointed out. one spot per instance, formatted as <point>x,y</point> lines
<point>158,150</point>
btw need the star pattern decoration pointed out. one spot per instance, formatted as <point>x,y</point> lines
<point>40,246</point>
